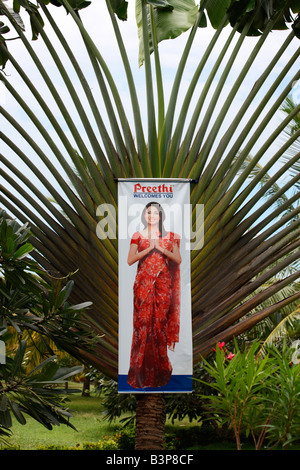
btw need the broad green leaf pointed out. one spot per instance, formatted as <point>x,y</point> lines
<point>41,365</point>
<point>216,10</point>
<point>47,370</point>
<point>76,4</point>
<point>10,245</point>
<point>23,251</point>
<point>296,28</point>
<point>3,403</point>
<point>79,4</point>
<point>5,419</point>
<point>64,294</point>
<point>169,23</point>
<point>15,326</point>
<point>17,413</point>
<point>120,8</point>
<point>18,359</point>
<point>163,4</point>
<point>3,28</point>
<point>57,3</point>
<point>295,6</point>
<point>64,372</point>
<point>81,306</point>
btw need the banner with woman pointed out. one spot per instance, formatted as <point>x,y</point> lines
<point>155,334</point>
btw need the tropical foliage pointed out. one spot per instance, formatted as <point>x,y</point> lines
<point>29,303</point>
<point>76,149</point>
<point>30,298</point>
<point>35,394</point>
<point>255,395</point>
<point>285,323</point>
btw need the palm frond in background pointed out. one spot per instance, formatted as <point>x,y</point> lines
<point>83,131</point>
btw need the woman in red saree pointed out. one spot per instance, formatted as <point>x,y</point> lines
<point>156,290</point>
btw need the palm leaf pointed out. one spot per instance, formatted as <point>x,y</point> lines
<point>280,330</point>
<point>171,19</point>
<point>251,212</point>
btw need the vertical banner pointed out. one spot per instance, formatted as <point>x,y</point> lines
<point>155,333</point>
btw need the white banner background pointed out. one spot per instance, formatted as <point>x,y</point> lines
<point>174,197</point>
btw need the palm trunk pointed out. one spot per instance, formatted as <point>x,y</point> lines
<point>150,421</point>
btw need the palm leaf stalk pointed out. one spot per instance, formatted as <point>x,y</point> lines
<point>152,132</point>
<point>177,153</point>
<point>279,332</point>
<point>141,145</point>
<point>288,320</point>
<point>119,156</point>
<point>237,218</point>
<point>96,56</point>
<point>197,158</point>
<point>245,132</point>
<point>159,79</point>
<point>167,127</point>
<point>247,242</point>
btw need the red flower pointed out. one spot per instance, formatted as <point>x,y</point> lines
<point>230,356</point>
<point>221,344</point>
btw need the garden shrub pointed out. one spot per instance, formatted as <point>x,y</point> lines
<point>108,443</point>
<point>257,395</point>
<point>126,438</point>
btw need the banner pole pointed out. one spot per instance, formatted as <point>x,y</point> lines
<point>175,180</point>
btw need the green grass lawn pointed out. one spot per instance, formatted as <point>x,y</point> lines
<point>87,418</point>
<point>91,427</point>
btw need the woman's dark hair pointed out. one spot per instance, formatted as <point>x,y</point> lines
<point>162,231</point>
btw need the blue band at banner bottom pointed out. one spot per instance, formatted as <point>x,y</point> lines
<point>176,384</point>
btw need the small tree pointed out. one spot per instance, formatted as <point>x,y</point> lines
<point>255,395</point>
<point>30,300</point>
<point>247,241</point>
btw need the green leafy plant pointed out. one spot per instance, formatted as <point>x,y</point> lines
<point>198,135</point>
<point>31,299</point>
<point>255,395</point>
<point>108,443</point>
<point>34,394</point>
<point>28,302</point>
<point>283,400</point>
<point>237,381</point>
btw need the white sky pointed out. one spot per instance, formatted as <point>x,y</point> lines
<point>98,24</point>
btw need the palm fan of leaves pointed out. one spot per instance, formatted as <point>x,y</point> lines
<point>249,239</point>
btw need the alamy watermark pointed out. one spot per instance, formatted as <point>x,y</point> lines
<point>2,352</point>
<point>185,220</point>
<point>296,353</point>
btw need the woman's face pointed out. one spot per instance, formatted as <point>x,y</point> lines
<point>152,215</point>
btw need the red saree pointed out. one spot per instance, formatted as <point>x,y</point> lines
<point>156,314</point>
